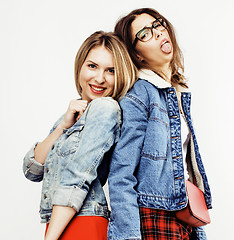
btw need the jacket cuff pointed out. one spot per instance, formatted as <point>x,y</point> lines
<point>31,164</point>
<point>69,197</point>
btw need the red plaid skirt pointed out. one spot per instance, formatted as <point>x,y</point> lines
<point>162,225</point>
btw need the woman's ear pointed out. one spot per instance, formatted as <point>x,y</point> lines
<point>140,58</point>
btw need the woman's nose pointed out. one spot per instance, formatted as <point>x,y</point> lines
<point>100,78</point>
<point>157,33</point>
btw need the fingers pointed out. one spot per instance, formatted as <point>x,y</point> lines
<point>79,115</point>
<point>74,112</point>
<point>77,106</point>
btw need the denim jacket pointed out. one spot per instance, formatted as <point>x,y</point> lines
<point>74,171</point>
<point>146,168</point>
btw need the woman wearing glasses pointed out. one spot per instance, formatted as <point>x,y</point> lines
<point>73,160</point>
<point>157,150</point>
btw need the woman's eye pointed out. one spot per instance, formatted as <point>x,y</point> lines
<point>111,70</point>
<point>92,65</point>
<point>143,34</point>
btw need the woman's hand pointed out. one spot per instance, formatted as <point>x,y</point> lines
<point>74,112</point>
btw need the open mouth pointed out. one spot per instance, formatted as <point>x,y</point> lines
<point>164,42</point>
<point>166,46</point>
<point>97,89</point>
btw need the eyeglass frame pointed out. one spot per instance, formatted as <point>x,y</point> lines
<point>159,20</point>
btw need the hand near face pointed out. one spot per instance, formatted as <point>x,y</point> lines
<point>74,112</point>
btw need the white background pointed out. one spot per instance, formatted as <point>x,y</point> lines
<point>38,44</point>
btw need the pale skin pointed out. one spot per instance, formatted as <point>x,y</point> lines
<point>150,51</point>
<point>97,79</point>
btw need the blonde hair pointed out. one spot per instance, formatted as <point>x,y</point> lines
<point>125,70</point>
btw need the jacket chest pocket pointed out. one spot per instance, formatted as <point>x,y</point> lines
<point>155,145</point>
<point>69,141</point>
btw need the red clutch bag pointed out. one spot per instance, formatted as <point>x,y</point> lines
<point>196,214</point>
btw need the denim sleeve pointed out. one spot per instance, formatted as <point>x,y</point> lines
<point>198,233</point>
<point>100,132</point>
<point>125,219</point>
<point>32,169</point>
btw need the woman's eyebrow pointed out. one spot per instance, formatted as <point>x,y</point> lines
<point>148,26</point>
<point>90,61</point>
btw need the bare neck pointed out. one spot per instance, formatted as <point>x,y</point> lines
<point>165,71</point>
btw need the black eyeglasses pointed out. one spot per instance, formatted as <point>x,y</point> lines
<point>146,33</point>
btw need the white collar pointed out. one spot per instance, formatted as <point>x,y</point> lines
<point>153,78</point>
<point>157,81</point>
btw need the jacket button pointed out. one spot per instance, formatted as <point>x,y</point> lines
<point>174,116</point>
<point>45,196</point>
<point>47,169</point>
<point>178,178</point>
<point>181,203</point>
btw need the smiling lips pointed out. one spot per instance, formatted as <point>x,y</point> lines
<point>166,46</point>
<point>96,89</point>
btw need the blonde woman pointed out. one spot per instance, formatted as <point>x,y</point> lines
<point>73,160</point>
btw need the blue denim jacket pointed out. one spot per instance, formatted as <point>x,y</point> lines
<point>74,171</point>
<point>146,168</point>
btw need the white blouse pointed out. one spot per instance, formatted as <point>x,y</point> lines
<point>185,136</point>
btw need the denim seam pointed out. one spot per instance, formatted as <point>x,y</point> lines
<point>150,156</point>
<point>96,160</point>
<point>159,120</point>
<point>156,105</point>
<point>153,196</point>
<point>136,100</point>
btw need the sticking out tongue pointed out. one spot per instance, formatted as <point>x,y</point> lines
<point>166,47</point>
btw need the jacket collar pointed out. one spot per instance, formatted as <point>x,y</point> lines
<point>158,81</point>
<point>153,78</point>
